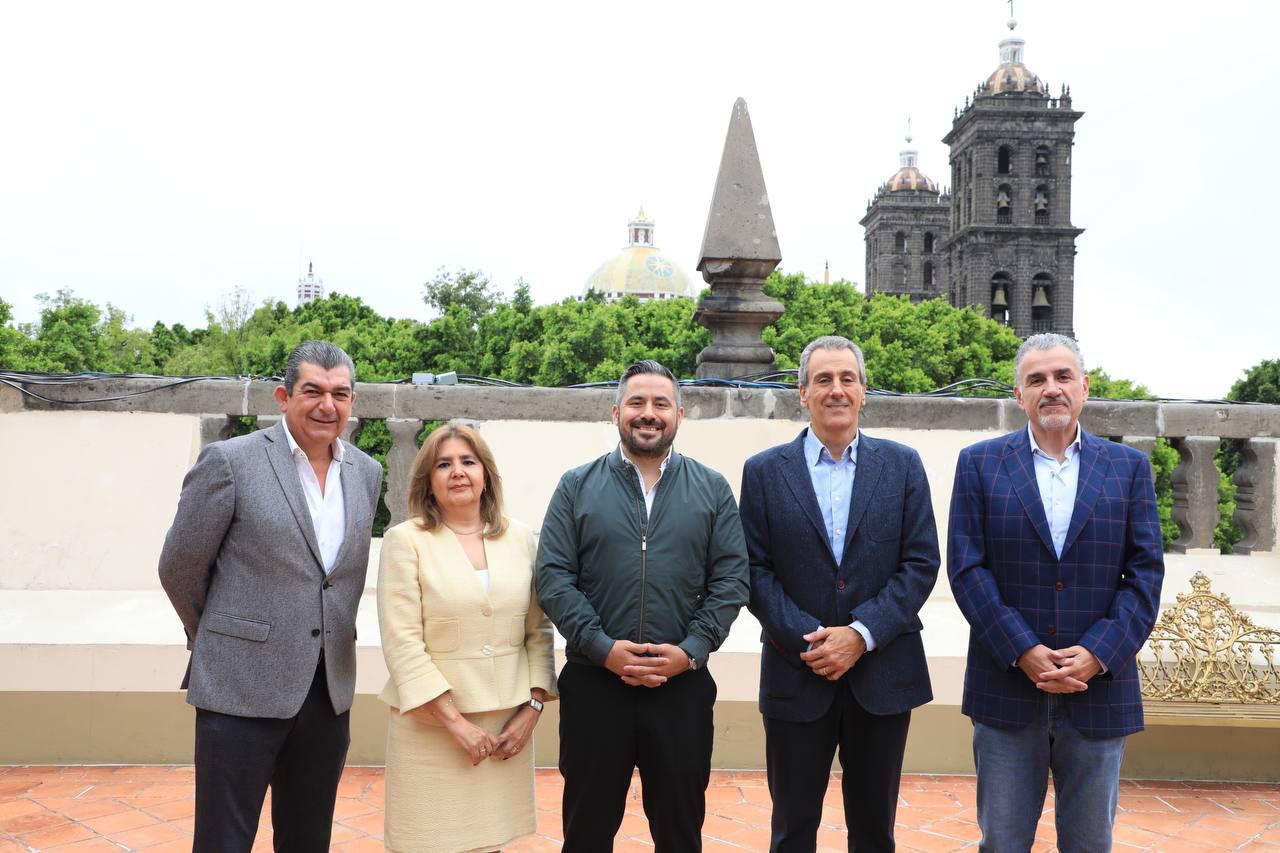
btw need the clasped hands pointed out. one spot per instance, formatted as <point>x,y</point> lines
<point>478,744</point>
<point>1059,670</point>
<point>833,651</point>
<point>646,664</point>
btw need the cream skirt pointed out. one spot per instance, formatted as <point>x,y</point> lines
<point>438,803</point>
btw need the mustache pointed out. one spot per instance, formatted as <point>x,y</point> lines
<point>646,422</point>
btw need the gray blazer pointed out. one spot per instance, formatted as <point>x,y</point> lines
<point>242,568</point>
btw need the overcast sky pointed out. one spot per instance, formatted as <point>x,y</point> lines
<point>158,155</point>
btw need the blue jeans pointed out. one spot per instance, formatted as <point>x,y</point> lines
<point>1013,769</point>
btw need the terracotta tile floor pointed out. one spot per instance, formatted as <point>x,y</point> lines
<point>130,808</point>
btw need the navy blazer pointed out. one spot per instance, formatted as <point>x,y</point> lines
<point>1102,594</point>
<point>889,565</point>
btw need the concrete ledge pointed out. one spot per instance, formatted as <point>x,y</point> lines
<point>60,641</point>
<point>130,639</point>
<point>1212,714</point>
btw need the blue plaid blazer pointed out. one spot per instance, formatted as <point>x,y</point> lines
<point>889,565</point>
<point>1102,594</point>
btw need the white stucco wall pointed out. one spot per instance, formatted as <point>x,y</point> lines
<point>86,497</point>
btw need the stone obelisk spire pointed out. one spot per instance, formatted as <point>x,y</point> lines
<point>739,250</point>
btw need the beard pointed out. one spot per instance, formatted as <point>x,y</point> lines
<point>636,446</point>
<point>1054,420</point>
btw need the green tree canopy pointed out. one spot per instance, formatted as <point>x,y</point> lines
<point>1261,384</point>
<point>909,347</point>
<point>469,290</point>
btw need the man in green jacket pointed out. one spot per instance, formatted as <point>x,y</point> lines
<point>642,566</point>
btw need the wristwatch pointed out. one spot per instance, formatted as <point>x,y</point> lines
<point>536,704</point>
<point>693,662</point>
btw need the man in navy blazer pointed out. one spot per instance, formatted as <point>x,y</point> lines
<point>843,551</point>
<point>1054,554</point>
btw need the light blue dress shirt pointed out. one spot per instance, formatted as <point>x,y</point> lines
<point>1058,482</point>
<point>832,481</point>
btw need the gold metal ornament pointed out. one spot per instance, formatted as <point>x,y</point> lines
<point>1206,651</point>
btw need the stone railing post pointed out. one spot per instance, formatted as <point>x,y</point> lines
<point>1145,443</point>
<point>1256,496</point>
<point>214,428</point>
<point>404,447</point>
<point>1195,493</point>
<point>739,250</point>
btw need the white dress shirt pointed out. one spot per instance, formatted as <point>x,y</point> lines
<point>1058,482</point>
<point>328,514</point>
<point>653,490</point>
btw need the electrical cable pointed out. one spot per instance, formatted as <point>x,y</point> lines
<point>18,382</point>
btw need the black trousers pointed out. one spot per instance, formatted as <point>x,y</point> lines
<point>300,758</point>
<point>607,729</point>
<point>798,757</point>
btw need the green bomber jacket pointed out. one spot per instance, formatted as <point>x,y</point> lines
<point>608,571</point>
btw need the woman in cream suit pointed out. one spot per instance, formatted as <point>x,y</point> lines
<point>469,652</point>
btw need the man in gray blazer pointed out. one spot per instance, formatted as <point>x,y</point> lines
<point>265,565</point>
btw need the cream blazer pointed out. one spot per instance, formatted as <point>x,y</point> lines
<point>442,631</point>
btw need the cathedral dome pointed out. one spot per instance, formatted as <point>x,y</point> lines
<point>909,178</point>
<point>639,270</point>
<point>1012,75</point>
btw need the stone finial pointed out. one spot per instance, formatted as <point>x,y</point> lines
<point>739,250</point>
<point>740,222</point>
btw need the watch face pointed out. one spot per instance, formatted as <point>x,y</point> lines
<point>535,704</point>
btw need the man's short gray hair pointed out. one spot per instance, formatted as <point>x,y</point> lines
<point>647,367</point>
<point>322,354</point>
<point>831,342</point>
<point>1041,342</point>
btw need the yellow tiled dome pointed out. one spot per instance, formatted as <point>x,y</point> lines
<point>639,270</point>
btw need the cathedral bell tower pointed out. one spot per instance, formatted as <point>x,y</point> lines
<point>1011,249</point>
<point>904,228</point>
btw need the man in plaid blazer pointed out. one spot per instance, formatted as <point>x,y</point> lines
<point>1054,555</point>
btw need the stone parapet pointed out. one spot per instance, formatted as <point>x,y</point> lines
<point>238,397</point>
